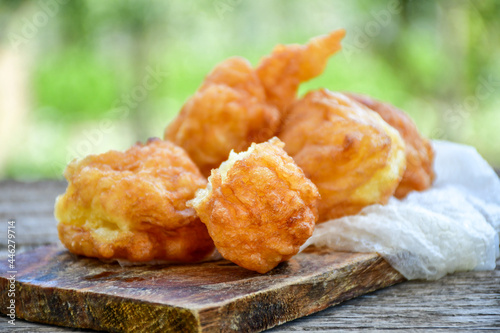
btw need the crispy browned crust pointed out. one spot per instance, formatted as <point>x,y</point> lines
<point>229,111</point>
<point>261,210</point>
<point>419,173</point>
<point>132,205</point>
<point>287,66</point>
<point>237,105</point>
<point>354,158</point>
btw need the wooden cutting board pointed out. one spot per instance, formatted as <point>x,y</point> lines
<point>59,288</point>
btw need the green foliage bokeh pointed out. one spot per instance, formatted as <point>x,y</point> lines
<point>427,58</point>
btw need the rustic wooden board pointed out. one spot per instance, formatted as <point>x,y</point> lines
<point>56,287</point>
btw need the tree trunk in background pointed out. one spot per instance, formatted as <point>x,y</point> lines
<point>15,97</point>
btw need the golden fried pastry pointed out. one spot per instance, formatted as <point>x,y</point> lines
<point>229,111</point>
<point>353,156</point>
<point>132,205</point>
<point>419,174</point>
<point>259,207</point>
<point>288,65</point>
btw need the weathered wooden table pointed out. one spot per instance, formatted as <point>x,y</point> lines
<point>464,301</point>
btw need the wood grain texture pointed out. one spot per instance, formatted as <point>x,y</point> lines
<point>467,301</point>
<point>56,287</point>
<point>32,206</point>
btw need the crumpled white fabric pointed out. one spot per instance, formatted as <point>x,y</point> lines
<point>453,226</point>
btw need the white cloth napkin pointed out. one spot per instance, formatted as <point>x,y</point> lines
<point>453,226</point>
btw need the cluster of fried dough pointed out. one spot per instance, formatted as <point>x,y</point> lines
<point>132,205</point>
<point>237,105</point>
<point>342,152</point>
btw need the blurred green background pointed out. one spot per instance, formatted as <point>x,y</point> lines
<point>81,77</point>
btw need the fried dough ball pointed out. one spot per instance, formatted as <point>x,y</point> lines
<point>229,111</point>
<point>353,156</point>
<point>132,205</point>
<point>419,173</point>
<point>258,207</point>
<point>288,65</point>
